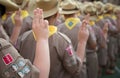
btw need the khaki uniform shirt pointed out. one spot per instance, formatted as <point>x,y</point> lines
<point>10,23</point>
<point>64,61</point>
<point>13,65</point>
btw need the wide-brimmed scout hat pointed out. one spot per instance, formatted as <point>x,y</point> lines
<point>10,6</point>
<point>108,7</point>
<point>50,7</point>
<point>117,9</point>
<point>80,6</point>
<point>89,8</point>
<point>99,7</point>
<point>69,7</point>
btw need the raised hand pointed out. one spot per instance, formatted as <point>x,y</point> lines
<point>83,32</point>
<point>40,26</point>
<point>18,19</point>
<point>105,30</point>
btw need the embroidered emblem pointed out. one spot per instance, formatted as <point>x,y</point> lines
<point>8,59</point>
<point>70,23</point>
<point>24,71</point>
<point>69,50</point>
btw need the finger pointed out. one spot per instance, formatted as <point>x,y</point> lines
<point>41,15</point>
<point>36,16</point>
<point>19,12</point>
<point>84,24</point>
<point>87,17</point>
<point>46,23</point>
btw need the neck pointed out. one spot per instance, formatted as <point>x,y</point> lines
<point>70,16</point>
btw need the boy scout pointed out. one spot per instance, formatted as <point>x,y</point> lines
<point>112,45</point>
<point>27,19</point>
<point>101,22</point>
<point>92,58</point>
<point>71,28</point>
<point>12,65</point>
<point>117,13</point>
<point>5,5</point>
<point>64,61</point>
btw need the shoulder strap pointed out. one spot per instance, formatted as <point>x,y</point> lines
<point>65,37</point>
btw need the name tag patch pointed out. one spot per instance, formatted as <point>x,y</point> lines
<point>69,50</point>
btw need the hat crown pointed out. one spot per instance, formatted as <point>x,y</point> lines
<point>99,5</point>
<point>108,7</point>
<point>69,5</point>
<point>90,8</point>
<point>46,4</point>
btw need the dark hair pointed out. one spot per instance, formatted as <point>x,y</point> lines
<point>2,10</point>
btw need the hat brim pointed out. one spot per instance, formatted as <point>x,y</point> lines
<point>46,13</point>
<point>50,12</point>
<point>68,12</point>
<point>10,6</point>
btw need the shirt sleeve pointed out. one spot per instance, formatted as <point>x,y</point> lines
<point>71,62</point>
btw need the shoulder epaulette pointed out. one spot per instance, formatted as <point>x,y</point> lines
<point>65,37</point>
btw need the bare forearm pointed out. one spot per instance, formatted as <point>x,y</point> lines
<point>42,58</point>
<point>15,34</point>
<point>81,50</point>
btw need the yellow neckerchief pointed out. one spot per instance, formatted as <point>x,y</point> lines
<point>110,15</point>
<point>100,17</point>
<point>24,14</point>
<point>107,15</point>
<point>52,30</point>
<point>91,23</point>
<point>78,14</point>
<point>71,22</point>
<point>114,17</point>
<point>4,17</point>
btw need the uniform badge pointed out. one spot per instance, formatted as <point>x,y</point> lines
<point>24,71</point>
<point>7,59</point>
<point>69,50</point>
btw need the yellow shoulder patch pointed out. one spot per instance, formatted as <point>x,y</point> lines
<point>91,23</point>
<point>99,18</point>
<point>70,23</point>
<point>4,17</point>
<point>114,17</point>
<point>52,30</point>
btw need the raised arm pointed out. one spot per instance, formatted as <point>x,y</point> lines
<point>83,37</point>
<point>42,57</point>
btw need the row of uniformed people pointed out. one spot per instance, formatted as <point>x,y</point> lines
<point>64,63</point>
<point>12,64</point>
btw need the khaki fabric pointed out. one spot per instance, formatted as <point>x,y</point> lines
<point>112,44</point>
<point>72,34</point>
<point>102,52</point>
<point>13,65</point>
<point>64,63</point>
<point>9,25</point>
<point>3,34</point>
